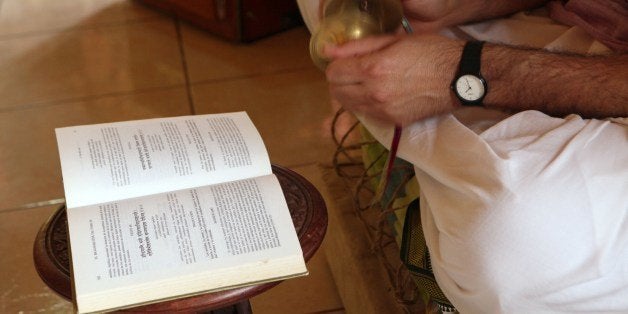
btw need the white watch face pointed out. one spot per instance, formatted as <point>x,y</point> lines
<point>470,87</point>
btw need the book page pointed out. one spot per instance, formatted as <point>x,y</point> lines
<point>154,238</point>
<point>114,161</point>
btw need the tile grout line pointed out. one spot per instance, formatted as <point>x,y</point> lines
<point>188,85</point>
<point>69,29</point>
<point>58,102</point>
<point>184,65</point>
<point>28,206</point>
<point>249,76</point>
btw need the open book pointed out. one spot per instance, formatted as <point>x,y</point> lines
<point>164,208</point>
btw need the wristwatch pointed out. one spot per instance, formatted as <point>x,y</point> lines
<point>469,85</point>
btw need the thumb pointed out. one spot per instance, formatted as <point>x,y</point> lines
<point>359,47</point>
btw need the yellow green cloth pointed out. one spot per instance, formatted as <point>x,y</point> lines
<point>405,219</point>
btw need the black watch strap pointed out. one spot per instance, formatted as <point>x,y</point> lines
<point>471,55</point>
<point>469,73</point>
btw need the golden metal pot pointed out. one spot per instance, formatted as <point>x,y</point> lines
<point>345,20</point>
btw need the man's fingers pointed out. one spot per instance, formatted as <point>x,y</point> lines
<point>359,47</point>
<point>345,72</point>
<point>351,97</point>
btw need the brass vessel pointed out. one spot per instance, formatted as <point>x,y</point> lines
<point>345,20</point>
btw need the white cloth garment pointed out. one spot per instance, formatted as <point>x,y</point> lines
<point>528,216</point>
<point>524,213</point>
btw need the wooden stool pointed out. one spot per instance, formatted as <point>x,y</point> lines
<point>309,215</point>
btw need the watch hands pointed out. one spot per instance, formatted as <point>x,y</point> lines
<point>466,80</point>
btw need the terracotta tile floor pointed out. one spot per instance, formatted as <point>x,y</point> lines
<point>71,62</point>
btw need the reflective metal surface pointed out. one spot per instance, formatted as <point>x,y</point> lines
<point>345,20</point>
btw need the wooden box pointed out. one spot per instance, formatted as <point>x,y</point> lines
<point>234,20</point>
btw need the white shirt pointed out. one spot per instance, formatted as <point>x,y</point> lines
<point>529,215</point>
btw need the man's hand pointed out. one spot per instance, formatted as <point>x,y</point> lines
<point>398,79</point>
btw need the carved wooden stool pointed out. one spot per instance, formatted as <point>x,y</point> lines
<point>309,215</point>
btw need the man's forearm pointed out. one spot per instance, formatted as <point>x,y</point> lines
<point>557,84</point>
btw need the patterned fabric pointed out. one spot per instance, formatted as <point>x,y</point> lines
<point>403,192</point>
<point>416,257</point>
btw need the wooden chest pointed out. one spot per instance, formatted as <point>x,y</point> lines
<point>234,20</point>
